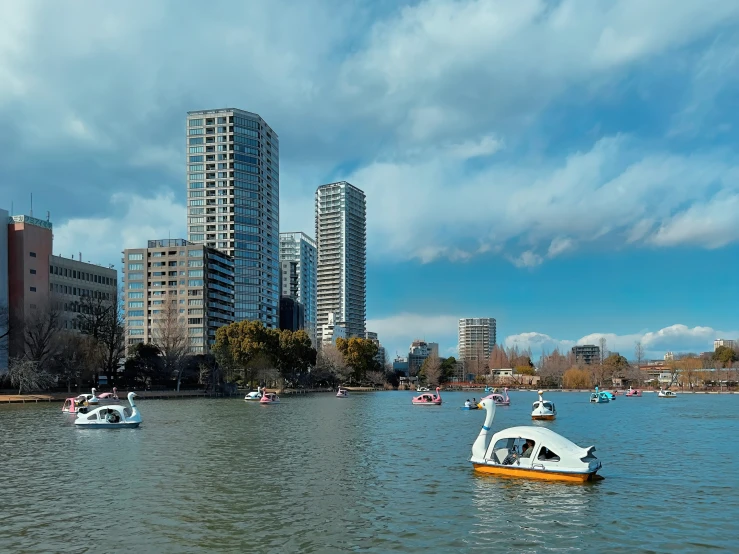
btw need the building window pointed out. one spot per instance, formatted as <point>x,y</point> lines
<point>33,254</point>
<point>33,272</point>
<point>139,256</point>
<point>33,289</point>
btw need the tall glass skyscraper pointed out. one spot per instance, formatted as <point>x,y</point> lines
<point>298,266</point>
<point>233,191</point>
<point>341,237</point>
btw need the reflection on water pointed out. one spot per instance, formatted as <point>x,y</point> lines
<point>371,472</point>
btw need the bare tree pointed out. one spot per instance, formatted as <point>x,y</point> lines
<point>4,330</point>
<point>552,367</point>
<point>603,349</point>
<point>432,370</point>
<point>170,334</point>
<point>330,359</point>
<point>77,357</point>
<point>102,319</point>
<point>27,375</point>
<point>40,331</point>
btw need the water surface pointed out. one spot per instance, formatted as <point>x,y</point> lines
<point>370,473</point>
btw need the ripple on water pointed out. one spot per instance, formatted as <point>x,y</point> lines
<point>370,473</point>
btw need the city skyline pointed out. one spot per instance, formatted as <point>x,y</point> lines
<point>592,193</point>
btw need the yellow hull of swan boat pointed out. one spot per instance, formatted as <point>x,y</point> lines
<point>507,471</point>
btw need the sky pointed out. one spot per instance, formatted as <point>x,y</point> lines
<point>567,167</point>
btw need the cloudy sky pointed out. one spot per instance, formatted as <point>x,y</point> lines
<point>568,167</point>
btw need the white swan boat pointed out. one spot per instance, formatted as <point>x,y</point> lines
<point>342,393</point>
<point>111,417</point>
<point>254,396</point>
<point>666,394</point>
<point>531,453</point>
<point>543,409</point>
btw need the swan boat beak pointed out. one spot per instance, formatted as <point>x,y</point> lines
<point>479,407</point>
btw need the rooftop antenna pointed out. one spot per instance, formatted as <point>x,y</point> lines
<point>48,215</point>
<point>31,204</point>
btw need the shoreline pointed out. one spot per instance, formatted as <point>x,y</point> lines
<point>174,395</point>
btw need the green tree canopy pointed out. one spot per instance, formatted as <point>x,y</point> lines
<point>725,355</point>
<point>359,354</point>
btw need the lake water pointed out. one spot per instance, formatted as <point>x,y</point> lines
<point>370,473</point>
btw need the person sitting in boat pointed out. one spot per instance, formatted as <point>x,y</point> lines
<point>467,403</point>
<point>528,449</point>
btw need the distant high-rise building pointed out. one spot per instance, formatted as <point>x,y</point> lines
<point>586,353</point>
<point>233,187</point>
<point>381,357</point>
<point>476,338</point>
<point>729,343</point>
<point>341,237</point>
<point>298,259</point>
<point>194,281</point>
<point>4,300</point>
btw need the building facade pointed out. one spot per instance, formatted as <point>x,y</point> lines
<point>29,250</point>
<point>417,354</point>
<point>71,281</point>
<point>476,338</point>
<point>341,239</point>
<point>729,343</point>
<point>334,329</point>
<point>381,357</point>
<point>298,260</point>
<point>400,365</point>
<point>174,276</point>
<point>4,301</point>
<point>292,314</point>
<point>233,189</point>
<point>586,353</point>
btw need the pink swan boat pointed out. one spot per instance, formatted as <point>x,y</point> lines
<point>633,392</point>
<point>269,398</point>
<point>428,399</point>
<point>110,396</point>
<point>499,399</point>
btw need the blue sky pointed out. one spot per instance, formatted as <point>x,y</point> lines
<point>568,167</point>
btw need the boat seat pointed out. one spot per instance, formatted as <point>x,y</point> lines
<point>500,455</point>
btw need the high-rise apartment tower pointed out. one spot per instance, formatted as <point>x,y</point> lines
<point>233,188</point>
<point>341,237</point>
<point>298,258</point>
<point>476,338</point>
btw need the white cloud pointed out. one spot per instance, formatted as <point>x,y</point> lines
<point>675,338</point>
<point>396,332</point>
<point>137,220</point>
<point>711,224</point>
<point>486,146</point>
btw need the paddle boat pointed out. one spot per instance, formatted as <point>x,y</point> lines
<point>423,389</point>
<point>543,409</point>
<point>428,399</point>
<point>633,392</point>
<point>531,453</point>
<point>342,393</point>
<point>269,398</point>
<point>611,396</point>
<point>499,399</point>
<point>111,417</point>
<point>598,397</point>
<point>469,406</point>
<point>75,405</point>
<point>254,396</point>
<point>666,394</point>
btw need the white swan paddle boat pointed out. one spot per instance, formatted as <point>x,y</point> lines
<point>543,409</point>
<point>599,397</point>
<point>666,394</point>
<point>111,417</point>
<point>531,453</point>
<point>342,393</point>
<point>254,396</point>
